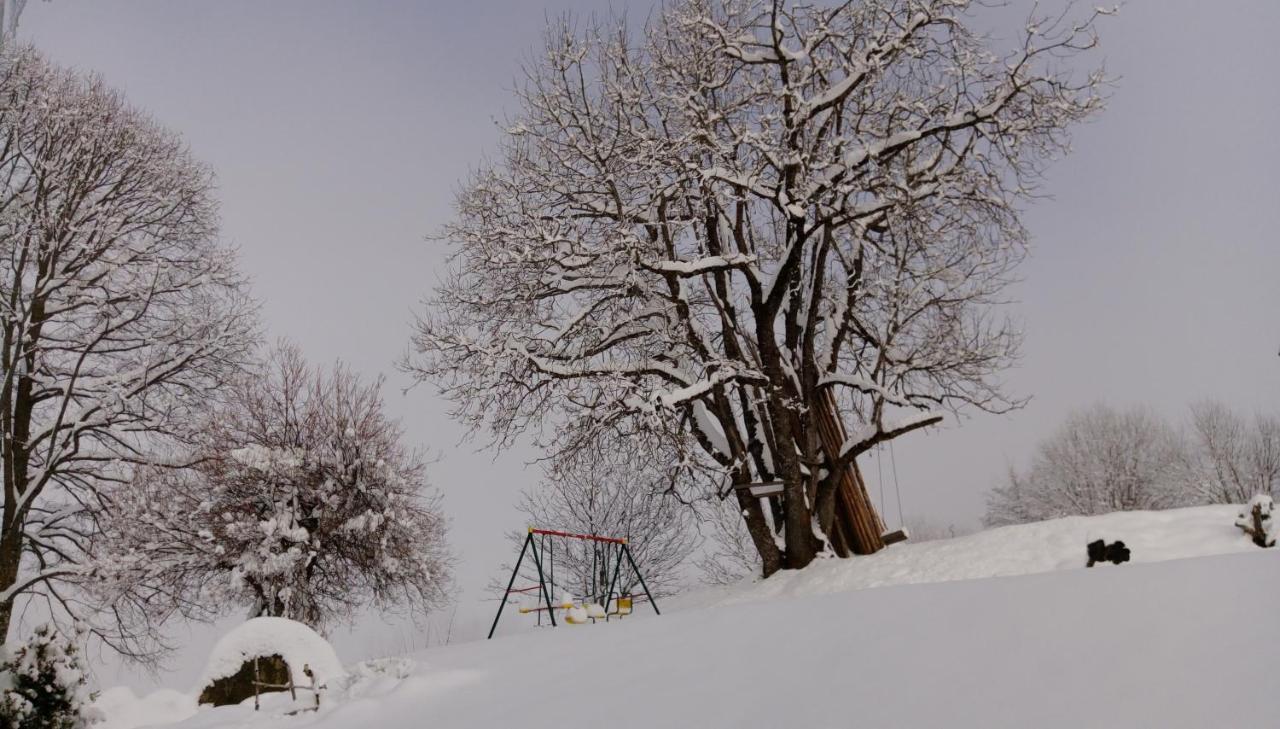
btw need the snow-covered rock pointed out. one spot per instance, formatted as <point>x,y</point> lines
<point>296,643</point>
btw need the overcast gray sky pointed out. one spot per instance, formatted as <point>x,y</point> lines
<point>338,131</point>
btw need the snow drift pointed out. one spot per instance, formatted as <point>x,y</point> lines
<point>1022,549</point>
<point>1182,643</point>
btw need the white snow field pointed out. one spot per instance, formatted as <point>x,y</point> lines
<point>1186,642</point>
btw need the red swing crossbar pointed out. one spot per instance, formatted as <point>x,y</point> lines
<point>587,537</point>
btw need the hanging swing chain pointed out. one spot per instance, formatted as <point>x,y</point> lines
<point>880,476</point>
<point>902,520</point>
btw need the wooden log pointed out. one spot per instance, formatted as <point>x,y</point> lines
<point>761,489</point>
<point>895,537</point>
<point>860,526</point>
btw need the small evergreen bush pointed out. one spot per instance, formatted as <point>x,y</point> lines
<point>42,683</point>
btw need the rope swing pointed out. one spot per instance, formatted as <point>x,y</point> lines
<point>901,533</point>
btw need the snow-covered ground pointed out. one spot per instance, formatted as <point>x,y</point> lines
<point>1185,636</point>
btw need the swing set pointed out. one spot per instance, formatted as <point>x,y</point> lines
<point>606,553</point>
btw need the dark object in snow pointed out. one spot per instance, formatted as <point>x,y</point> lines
<point>900,535</point>
<point>240,686</point>
<point>1257,521</point>
<point>1100,551</point>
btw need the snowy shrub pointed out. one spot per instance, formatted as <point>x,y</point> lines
<point>303,503</point>
<point>42,683</point>
<point>1257,521</point>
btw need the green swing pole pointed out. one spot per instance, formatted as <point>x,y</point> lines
<point>595,582</point>
<point>627,551</point>
<point>510,584</point>
<point>617,567</point>
<point>542,582</point>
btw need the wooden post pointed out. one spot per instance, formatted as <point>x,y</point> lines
<point>857,528</point>
<point>315,690</point>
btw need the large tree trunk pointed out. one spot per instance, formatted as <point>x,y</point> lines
<point>10,558</point>
<point>856,527</point>
<point>771,559</point>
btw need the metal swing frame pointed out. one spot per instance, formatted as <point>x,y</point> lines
<point>544,591</point>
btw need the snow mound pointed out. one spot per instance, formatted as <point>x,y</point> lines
<point>1022,549</point>
<point>125,710</point>
<point>297,644</point>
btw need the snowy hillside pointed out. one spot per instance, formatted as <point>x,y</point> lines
<point>1182,643</point>
<point>1047,546</point>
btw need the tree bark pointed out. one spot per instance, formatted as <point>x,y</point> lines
<point>771,558</point>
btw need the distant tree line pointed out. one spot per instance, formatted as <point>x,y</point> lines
<point>1103,459</point>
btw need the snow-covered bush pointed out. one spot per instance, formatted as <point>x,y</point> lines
<point>42,683</point>
<point>1257,521</point>
<point>302,503</point>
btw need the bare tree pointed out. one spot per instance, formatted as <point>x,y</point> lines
<point>302,503</point>
<point>1101,460</point>
<point>616,488</point>
<point>1231,458</point>
<point>729,555</point>
<point>10,13</point>
<point>119,313</point>
<point>784,227</point>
